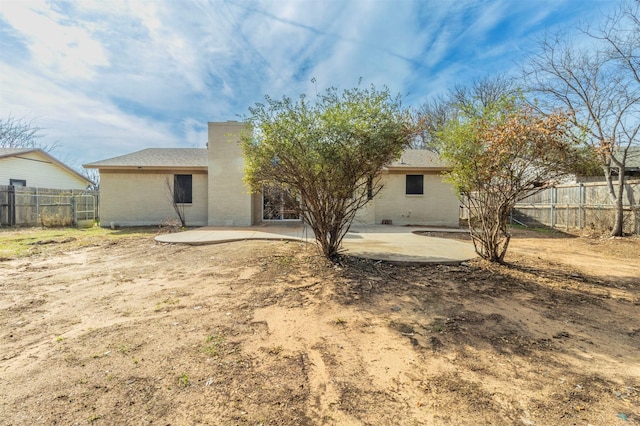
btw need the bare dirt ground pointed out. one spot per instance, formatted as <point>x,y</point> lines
<point>128,331</point>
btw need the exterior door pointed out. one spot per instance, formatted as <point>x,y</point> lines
<point>278,204</point>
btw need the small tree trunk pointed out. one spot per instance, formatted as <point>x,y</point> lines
<point>616,194</point>
<point>178,208</point>
<point>506,238</point>
<point>492,238</point>
<point>618,225</point>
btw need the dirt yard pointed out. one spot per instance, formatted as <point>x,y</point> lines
<point>119,330</point>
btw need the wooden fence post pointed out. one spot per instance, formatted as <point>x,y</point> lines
<point>580,204</point>
<point>12,205</point>
<point>554,194</point>
<point>38,206</point>
<point>72,201</point>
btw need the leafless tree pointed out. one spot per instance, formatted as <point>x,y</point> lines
<point>94,176</point>
<point>430,118</point>
<point>22,133</point>
<point>173,194</point>
<point>598,82</point>
<point>434,114</point>
<point>483,92</point>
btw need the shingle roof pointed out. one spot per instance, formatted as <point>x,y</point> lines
<point>7,152</point>
<point>418,159</point>
<point>633,157</point>
<point>198,157</point>
<point>156,158</point>
<point>12,152</point>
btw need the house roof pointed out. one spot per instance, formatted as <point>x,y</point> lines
<point>418,159</point>
<point>633,157</point>
<point>16,152</point>
<point>156,158</point>
<point>10,152</point>
<point>197,158</point>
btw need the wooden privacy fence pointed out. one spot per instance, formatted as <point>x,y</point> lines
<point>28,206</point>
<point>580,206</point>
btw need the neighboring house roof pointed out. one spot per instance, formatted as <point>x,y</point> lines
<point>415,159</point>
<point>633,158</point>
<point>17,152</point>
<point>156,158</point>
<point>10,152</point>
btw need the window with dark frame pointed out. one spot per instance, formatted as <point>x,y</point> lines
<point>415,185</point>
<point>278,204</point>
<point>182,189</point>
<point>17,182</point>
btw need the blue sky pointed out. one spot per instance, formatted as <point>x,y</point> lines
<point>109,77</point>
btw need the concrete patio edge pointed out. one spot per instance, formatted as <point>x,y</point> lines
<point>395,244</point>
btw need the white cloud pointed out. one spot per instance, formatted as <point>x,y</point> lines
<point>110,77</point>
<point>88,129</point>
<point>57,45</point>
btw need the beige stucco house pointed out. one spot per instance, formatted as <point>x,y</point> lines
<point>36,168</point>
<point>138,188</point>
<point>414,193</point>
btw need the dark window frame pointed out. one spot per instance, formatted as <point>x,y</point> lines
<point>414,185</point>
<point>17,182</point>
<point>183,189</point>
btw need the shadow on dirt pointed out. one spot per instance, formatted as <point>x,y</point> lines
<point>545,318</point>
<point>513,309</point>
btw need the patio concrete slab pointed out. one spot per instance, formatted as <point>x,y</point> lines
<point>398,244</point>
